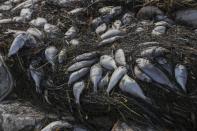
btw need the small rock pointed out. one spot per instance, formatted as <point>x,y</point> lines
<point>38,22</point>
<point>159,30</point>
<point>139,29</point>
<point>26,13</point>
<point>101,29</point>
<point>74,42</point>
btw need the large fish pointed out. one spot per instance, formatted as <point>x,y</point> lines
<point>51,53</point>
<point>104,81</point>
<point>116,77</point>
<point>81,64</point>
<point>130,86</point>
<point>78,87</point>
<point>37,75</point>
<point>96,72</point>
<point>86,56</point>
<point>154,51</point>
<point>111,33</point>
<point>181,76</point>
<point>141,76</point>
<point>75,76</point>
<point>120,57</point>
<point>108,62</point>
<point>153,72</point>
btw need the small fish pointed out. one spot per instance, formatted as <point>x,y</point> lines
<point>153,72</point>
<point>18,19</point>
<point>37,76</point>
<point>181,76</point>
<point>109,40</point>
<point>38,22</point>
<point>154,51</point>
<point>104,81</point>
<point>120,57</point>
<point>6,21</point>
<point>81,64</point>
<point>62,56</point>
<point>75,76</point>
<point>56,125</point>
<point>116,77</point>
<point>117,24</point>
<point>71,33</point>
<point>87,56</point>
<point>130,86</point>
<point>101,29</point>
<point>21,40</point>
<point>51,53</point>
<point>141,76</point>
<point>78,88</point>
<point>105,10</point>
<point>76,12</point>
<point>148,43</point>
<point>108,62</point>
<point>96,72</point>
<point>96,22</point>
<point>36,33</point>
<point>111,33</point>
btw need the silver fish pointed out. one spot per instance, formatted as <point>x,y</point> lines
<point>117,24</point>
<point>75,76</point>
<point>51,53</point>
<point>36,33</point>
<point>153,72</point>
<point>141,76</point>
<point>104,81</point>
<point>62,56</point>
<point>116,77</point>
<point>6,21</point>
<point>96,22</point>
<point>130,86</point>
<point>105,10</point>
<point>111,33</point>
<point>181,76</point>
<point>108,62</point>
<point>110,40</point>
<point>56,125</point>
<point>164,64</point>
<point>101,29</point>
<point>96,72</point>
<point>81,64</point>
<point>154,51</point>
<point>86,56</point>
<point>78,87</point>
<point>25,4</point>
<point>38,22</point>
<point>120,57</point>
<point>37,76</point>
<point>76,12</point>
<point>21,40</point>
<point>71,33</point>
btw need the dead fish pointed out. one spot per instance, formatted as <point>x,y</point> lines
<point>130,86</point>
<point>75,76</point>
<point>111,33</point>
<point>25,4</point>
<point>153,72</point>
<point>96,22</point>
<point>116,11</point>
<point>76,12</point>
<point>116,77</point>
<point>96,72</point>
<point>109,40</point>
<point>51,53</point>
<point>51,30</point>
<point>18,19</point>
<point>14,32</point>
<point>120,57</point>
<point>21,40</point>
<point>37,75</point>
<point>127,18</point>
<point>87,56</point>
<point>104,81</point>
<point>56,125</point>
<point>149,12</point>
<point>26,13</point>
<point>38,22</point>
<point>108,62</point>
<point>154,51</point>
<point>105,10</point>
<point>71,33</point>
<point>36,33</point>
<point>141,76</point>
<point>62,56</point>
<point>117,24</point>
<point>6,21</point>
<point>81,64</point>
<point>78,87</point>
<point>164,64</point>
<point>181,76</point>
<point>101,29</point>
